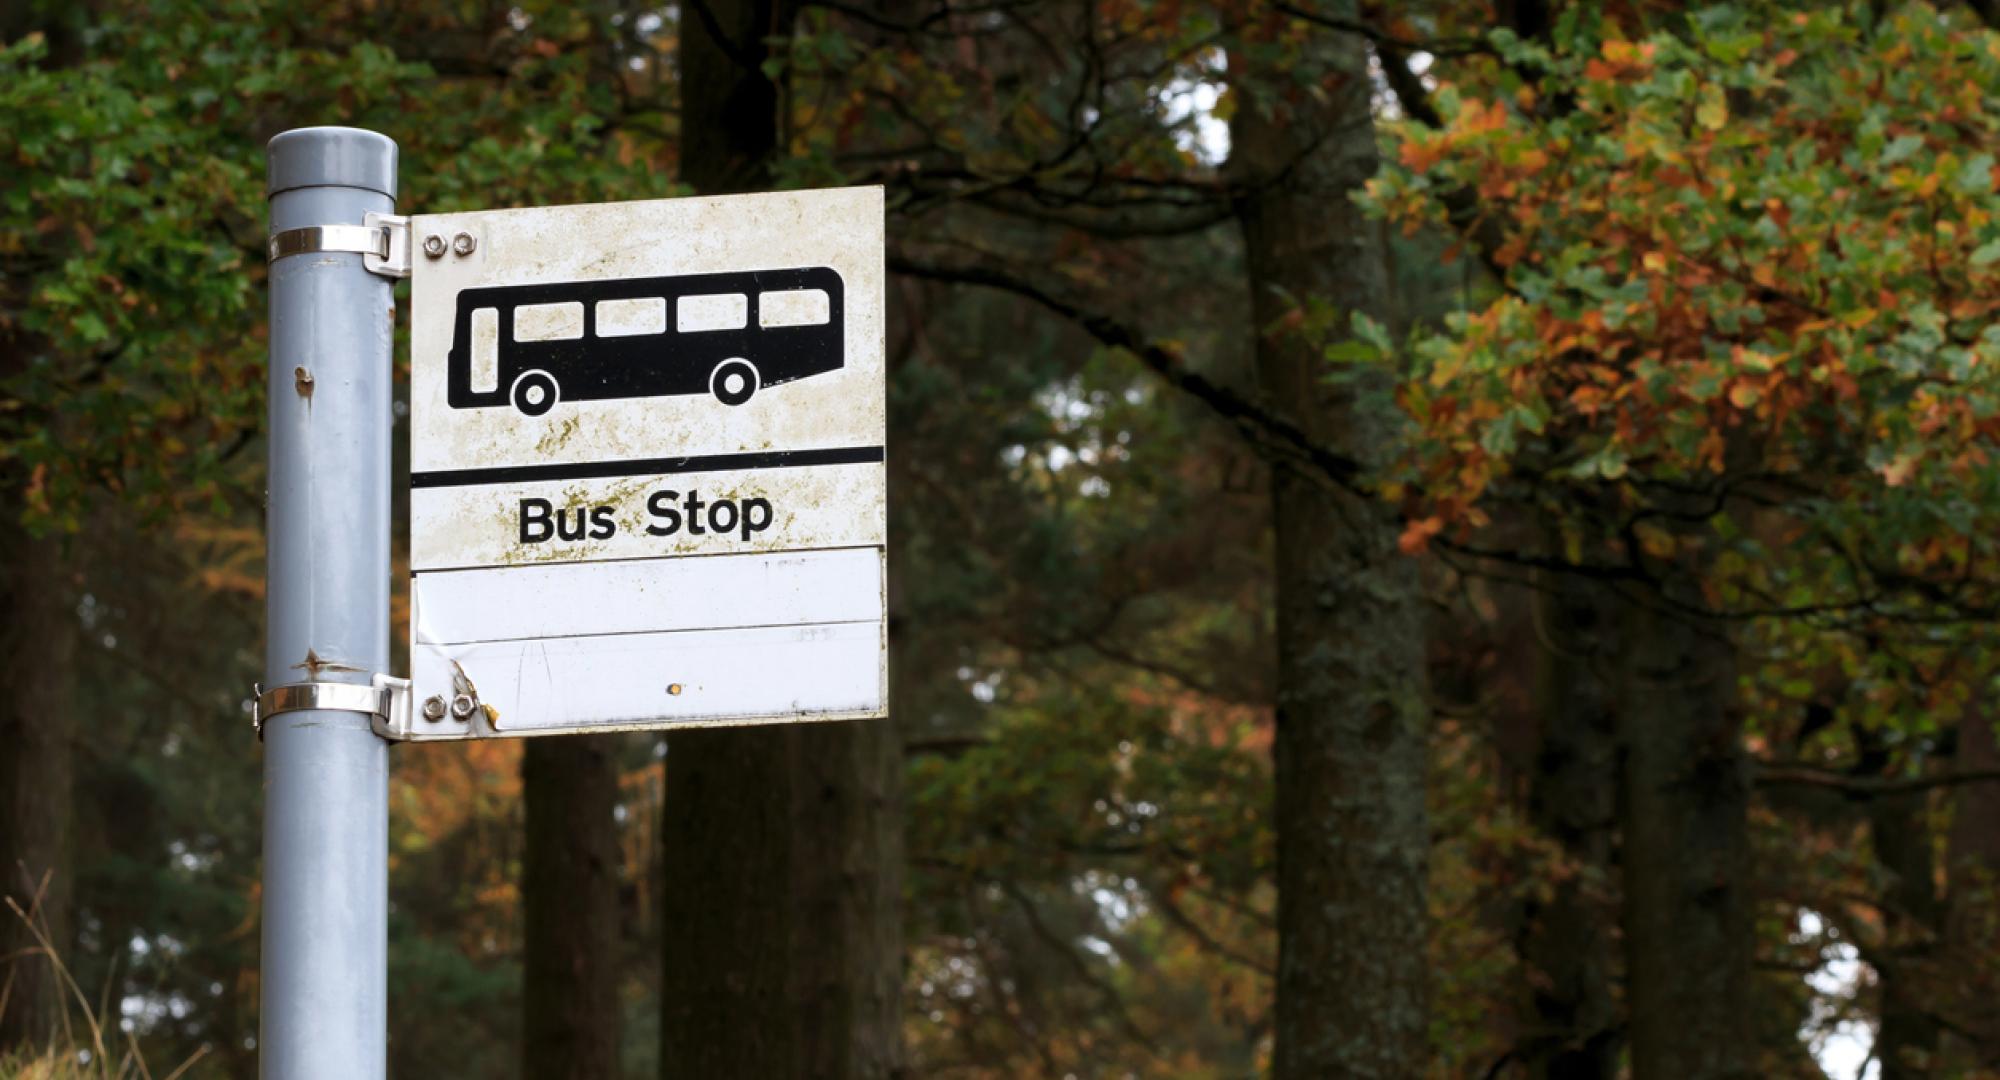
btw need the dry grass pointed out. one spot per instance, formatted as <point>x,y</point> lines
<point>80,1052</point>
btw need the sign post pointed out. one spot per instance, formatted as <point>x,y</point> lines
<point>324,1010</point>
<point>648,491</point>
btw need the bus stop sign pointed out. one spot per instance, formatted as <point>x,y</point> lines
<point>647,481</point>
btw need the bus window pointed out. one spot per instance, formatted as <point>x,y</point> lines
<point>630,318</point>
<point>794,307</point>
<point>722,311</point>
<point>548,322</point>
<point>485,350</point>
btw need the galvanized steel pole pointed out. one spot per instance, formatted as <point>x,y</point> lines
<point>326,774</point>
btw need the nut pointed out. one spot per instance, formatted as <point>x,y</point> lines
<point>434,246</point>
<point>434,708</point>
<point>462,705</point>
<point>463,243</point>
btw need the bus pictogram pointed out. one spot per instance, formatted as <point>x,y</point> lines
<point>730,335</point>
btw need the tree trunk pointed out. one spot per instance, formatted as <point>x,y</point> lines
<point>782,904</point>
<point>1684,819</point>
<point>1351,741</point>
<point>1567,943</point>
<point>38,633</point>
<point>569,908</point>
<point>1906,1041</point>
<point>782,845</point>
<point>1972,925</point>
<point>38,638</point>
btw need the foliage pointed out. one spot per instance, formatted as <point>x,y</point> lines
<point>1755,250</point>
<point>134,233</point>
<point>117,294</point>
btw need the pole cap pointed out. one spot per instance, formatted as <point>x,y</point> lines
<point>331,157</point>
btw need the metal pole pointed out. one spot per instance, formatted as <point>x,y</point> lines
<point>326,774</point>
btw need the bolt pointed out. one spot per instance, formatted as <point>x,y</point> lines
<point>462,705</point>
<point>434,708</point>
<point>434,246</point>
<point>463,243</point>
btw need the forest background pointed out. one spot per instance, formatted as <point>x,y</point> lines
<point>1430,539</point>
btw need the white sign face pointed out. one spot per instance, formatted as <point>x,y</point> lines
<point>647,485</point>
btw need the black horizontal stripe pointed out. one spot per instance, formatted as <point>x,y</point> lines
<point>586,470</point>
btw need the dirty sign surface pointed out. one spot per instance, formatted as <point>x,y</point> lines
<point>647,465</point>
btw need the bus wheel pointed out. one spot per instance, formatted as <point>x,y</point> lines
<point>535,393</point>
<point>733,381</point>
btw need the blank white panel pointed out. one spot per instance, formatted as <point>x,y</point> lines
<point>554,600</point>
<point>762,674</point>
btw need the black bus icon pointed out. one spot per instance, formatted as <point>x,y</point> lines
<point>724,334</point>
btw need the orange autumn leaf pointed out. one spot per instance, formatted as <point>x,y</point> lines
<point>1417,534</point>
<point>1421,155</point>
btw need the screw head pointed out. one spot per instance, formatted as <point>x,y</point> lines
<point>434,246</point>
<point>462,705</point>
<point>463,243</point>
<point>434,708</point>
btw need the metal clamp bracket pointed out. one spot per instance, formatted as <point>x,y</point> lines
<point>382,241</point>
<point>385,700</point>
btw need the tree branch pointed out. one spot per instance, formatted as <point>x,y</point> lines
<point>1865,787</point>
<point>1265,427</point>
<point>744,58</point>
<point>1379,37</point>
<point>1407,85</point>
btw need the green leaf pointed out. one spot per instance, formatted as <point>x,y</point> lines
<point>1374,333</point>
<point>91,328</point>
<point>1976,176</point>
<point>1352,352</point>
<point>1713,111</point>
<point>1901,149</point>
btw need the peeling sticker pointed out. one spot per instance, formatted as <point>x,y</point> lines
<point>461,682</point>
